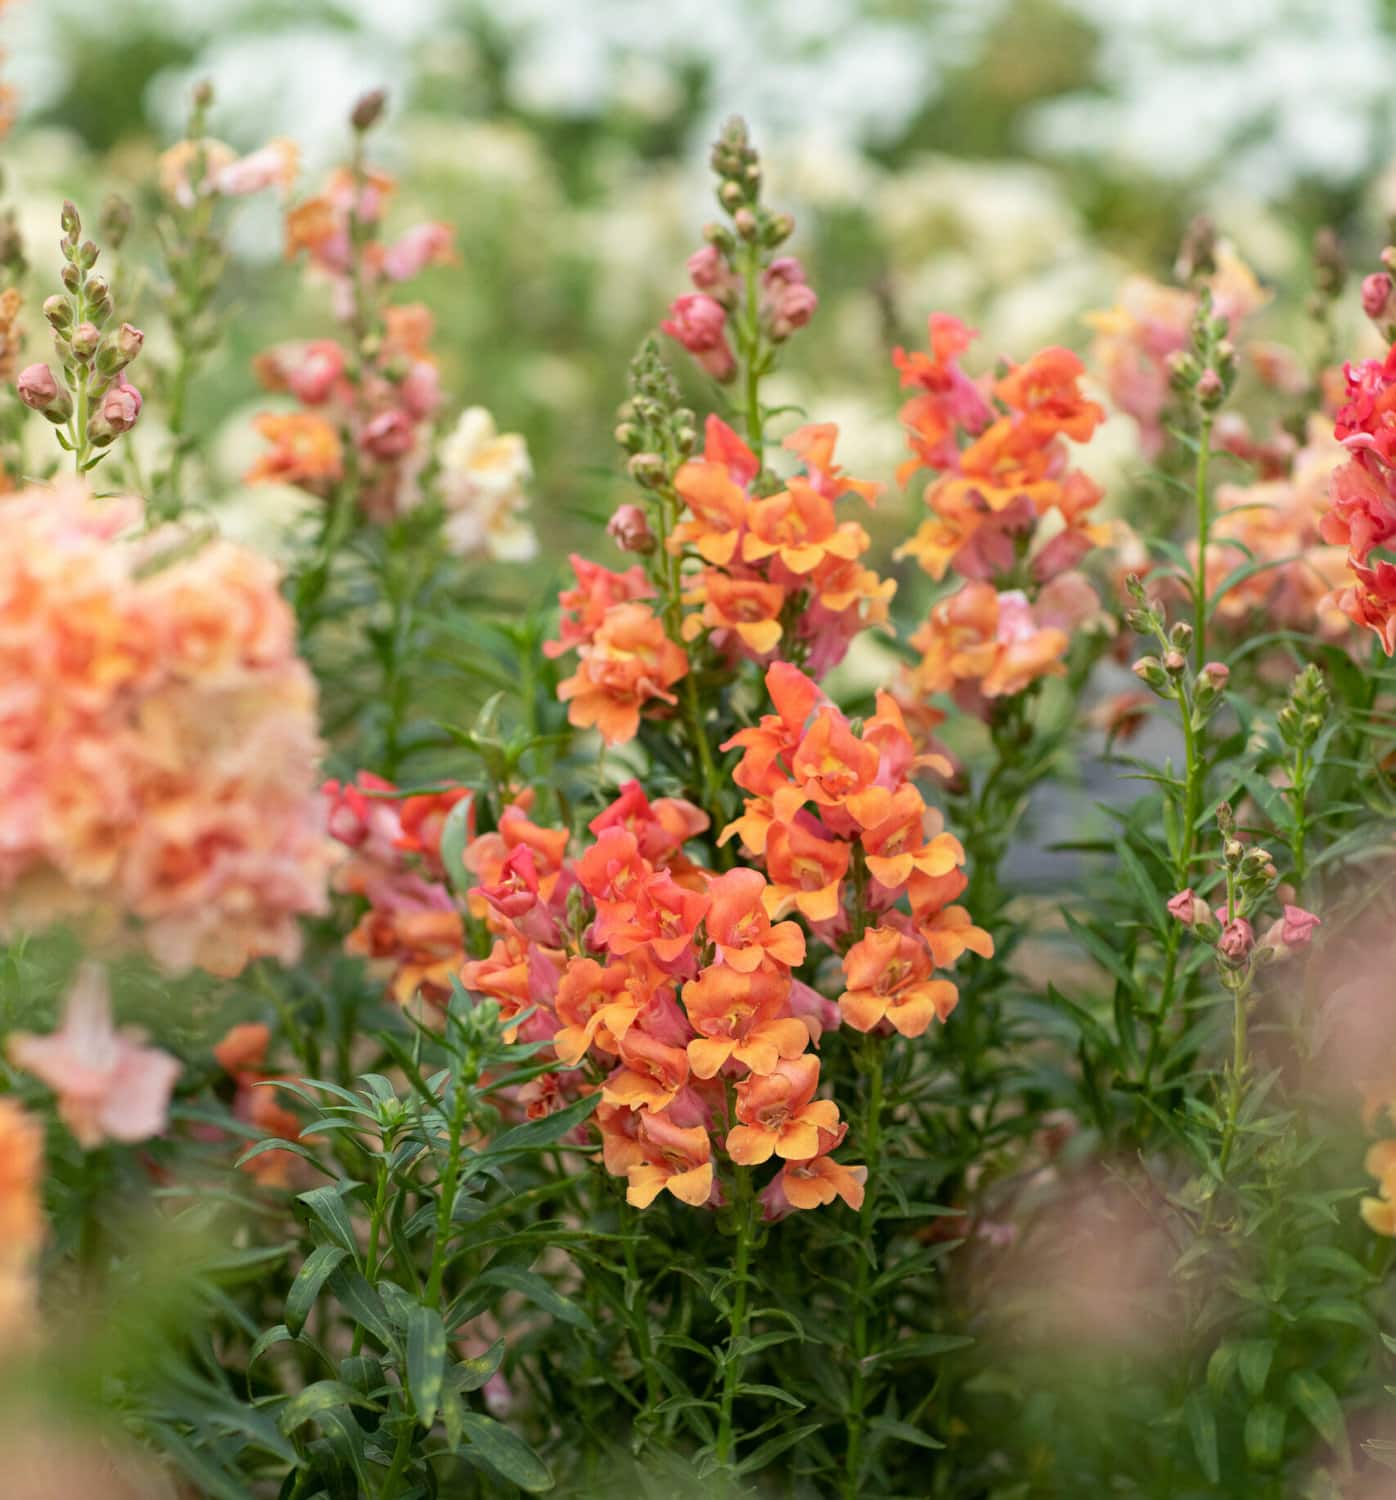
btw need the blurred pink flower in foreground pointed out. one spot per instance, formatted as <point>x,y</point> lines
<point>110,1085</point>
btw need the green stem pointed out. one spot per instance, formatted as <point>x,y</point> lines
<point>874,1054</point>
<point>751,356</point>
<point>401,1452</point>
<point>732,1361</point>
<point>446,1190</point>
<point>1204,521</point>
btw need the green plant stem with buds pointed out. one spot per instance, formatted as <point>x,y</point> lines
<point>1203,500</point>
<point>872,1058</point>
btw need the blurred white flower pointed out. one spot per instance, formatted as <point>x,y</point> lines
<point>482,480</point>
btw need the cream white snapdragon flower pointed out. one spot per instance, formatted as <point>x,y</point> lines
<point>482,482</point>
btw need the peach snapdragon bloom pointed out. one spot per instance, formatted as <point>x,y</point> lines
<point>305,451</point>
<point>888,973</point>
<point>628,662</point>
<point>158,740</point>
<point>110,1085</point>
<point>225,173</point>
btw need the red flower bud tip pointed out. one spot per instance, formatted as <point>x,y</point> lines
<point>1236,941</point>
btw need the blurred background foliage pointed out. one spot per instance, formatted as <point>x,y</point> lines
<point>1008,160</point>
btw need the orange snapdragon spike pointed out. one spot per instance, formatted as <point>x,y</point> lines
<point>740,928</point>
<point>675,1159</point>
<point>748,607</point>
<point>305,451</point>
<point>661,828</point>
<point>719,509</point>
<point>780,1116</point>
<point>585,607</point>
<point>830,766</point>
<point>665,919</point>
<point>950,932</point>
<point>888,973</point>
<point>897,844</point>
<point>1047,392</point>
<point>815,444</point>
<point>741,1017</point>
<point>597,1005</point>
<point>817,1182</point>
<point>1006,460</point>
<point>805,871</point>
<point>799,528</point>
<point>629,662</point>
<point>651,1072</point>
<point>777,735</point>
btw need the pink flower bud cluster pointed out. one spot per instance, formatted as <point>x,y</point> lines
<point>158,744</point>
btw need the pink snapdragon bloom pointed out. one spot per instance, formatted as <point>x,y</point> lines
<point>319,370</point>
<point>709,272</point>
<point>1188,908</point>
<point>37,386</point>
<point>421,246</point>
<point>388,435</point>
<point>788,299</point>
<point>272,165</point>
<point>1236,940</point>
<point>110,1085</point>
<point>121,405</point>
<point>629,529</point>
<point>699,323</point>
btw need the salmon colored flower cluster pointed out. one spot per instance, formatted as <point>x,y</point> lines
<point>374,397</point>
<point>670,989</point>
<point>1151,323</point>
<point>1363,496</point>
<point>242,1054</point>
<point>845,837</point>
<point>412,923</point>
<point>1009,514</point>
<point>158,741</point>
<point>1278,523</point>
<point>778,573</point>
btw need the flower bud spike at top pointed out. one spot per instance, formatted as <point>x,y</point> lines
<point>368,110</point>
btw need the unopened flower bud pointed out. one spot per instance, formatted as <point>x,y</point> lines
<point>37,387</point>
<point>779,228</point>
<point>1236,941</point>
<point>59,312</point>
<point>647,469</point>
<point>1217,674</point>
<point>117,412</point>
<point>1233,851</point>
<point>1210,389</point>
<point>1182,370</point>
<point>71,278</point>
<point>627,435</point>
<point>731,197</point>
<point>203,94</point>
<point>744,221</point>
<point>87,255</point>
<point>685,439</point>
<point>1197,254</point>
<point>368,110</point>
<point>85,338</point>
<point>719,237</point>
<point>1174,662</point>
<point>1150,670</point>
<point>68,220</point>
<point>630,530</point>
<point>129,340</point>
<point>1180,636</point>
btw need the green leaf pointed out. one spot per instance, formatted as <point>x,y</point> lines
<point>1221,1367</point>
<point>506,1453</point>
<point>470,1374</point>
<point>319,1397</point>
<point>925,1346</point>
<point>1314,1397</point>
<point>904,1432</point>
<point>1202,1425</point>
<point>327,1204</point>
<point>547,1131</point>
<point>528,1284</point>
<point>1100,950</point>
<point>426,1358</point>
<point>309,1279</point>
<point>1265,1434</point>
<point>363,1304</point>
<point>1254,1363</point>
<point>758,1458</point>
<point>455,830</point>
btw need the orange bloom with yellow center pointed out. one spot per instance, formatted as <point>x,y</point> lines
<point>745,1017</point>
<point>651,1072</point>
<point>950,932</point>
<point>629,662</point>
<point>780,1116</point>
<point>830,767</point>
<point>719,509</point>
<point>799,528</point>
<point>763,746</point>
<point>305,451</point>
<point>897,844</point>
<point>1046,391</point>
<point>805,871</point>
<point>674,1158</point>
<point>888,974</point>
<point>597,1005</point>
<point>748,607</point>
<point>665,919</point>
<point>740,928</point>
<point>816,1183</point>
